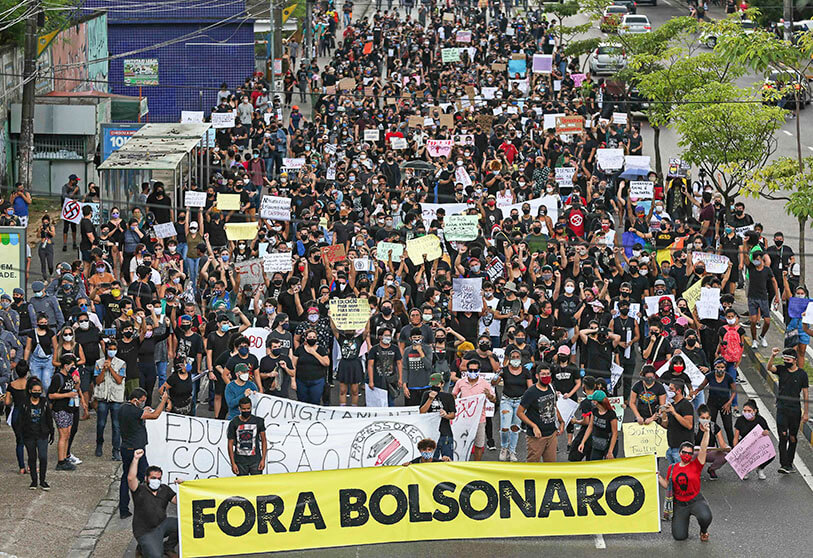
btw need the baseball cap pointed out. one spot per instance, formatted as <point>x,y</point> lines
<point>563,350</point>
<point>660,282</point>
<point>597,395</point>
<point>241,367</point>
<point>436,379</point>
<point>74,177</point>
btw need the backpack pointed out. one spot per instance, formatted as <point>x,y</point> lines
<point>731,351</point>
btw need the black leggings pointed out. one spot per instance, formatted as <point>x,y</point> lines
<point>787,425</point>
<point>682,511</point>
<point>74,427</point>
<point>37,447</point>
<point>727,423</point>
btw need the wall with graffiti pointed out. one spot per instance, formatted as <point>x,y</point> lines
<point>74,59</point>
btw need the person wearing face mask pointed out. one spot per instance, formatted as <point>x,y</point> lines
<point>149,335</point>
<point>678,419</point>
<point>683,481</point>
<point>730,344</point>
<point>39,350</point>
<point>792,402</point>
<point>241,386</point>
<point>155,533</point>
<point>761,283</point>
<point>428,453</point>
<point>384,365</point>
<point>311,362</point>
<point>602,429</point>
<point>109,374</point>
<point>248,445</point>
<point>516,380</point>
<point>88,337</point>
<point>647,396</point>
<point>435,400</point>
<point>474,384</point>
<point>43,303</point>
<point>276,370</point>
<point>722,390</point>
<point>749,420</point>
<point>35,427</point>
<point>537,410</point>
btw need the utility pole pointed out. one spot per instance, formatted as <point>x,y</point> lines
<point>26,146</point>
<point>308,27</point>
<point>271,50</point>
<point>787,17</point>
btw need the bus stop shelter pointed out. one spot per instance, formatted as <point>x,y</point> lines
<point>174,154</point>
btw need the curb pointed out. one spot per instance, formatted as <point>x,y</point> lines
<point>85,543</point>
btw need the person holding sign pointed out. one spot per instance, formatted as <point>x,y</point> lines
<point>749,420</point>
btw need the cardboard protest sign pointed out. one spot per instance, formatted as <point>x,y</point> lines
<point>569,125</point>
<point>644,439</point>
<point>641,189</point>
<point>428,245</point>
<point>278,261</point>
<point>349,314</point>
<point>333,253</point>
<point>347,84</point>
<point>164,230</point>
<point>752,451</point>
<point>240,231</point>
<point>715,263</point>
<point>461,228</point>
<point>194,199</point>
<point>228,202</point>
<point>383,250</point>
<point>275,208</point>
<point>447,121</point>
<point>467,295</point>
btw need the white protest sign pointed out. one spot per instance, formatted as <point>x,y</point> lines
<point>610,159</point>
<point>164,230</point>
<point>363,264</point>
<point>549,120</point>
<point>191,116</point>
<point>551,203</point>
<point>807,315</point>
<point>194,199</point>
<point>708,305</point>
<point>564,175</point>
<point>467,295</point>
<point>616,371</point>
<point>715,263</point>
<point>641,189</point>
<point>429,211</point>
<point>461,228</point>
<point>371,134</point>
<point>439,147</point>
<point>652,303</point>
<point>275,208</point>
<point>635,308</point>
<point>692,371</point>
<point>383,250</point>
<point>251,273</point>
<point>223,119</point>
<point>293,163</point>
<point>398,143</point>
<point>256,341</point>
<point>620,118</point>
<point>277,262</point>
<point>461,175</point>
<point>567,408</point>
<point>375,397</point>
<point>637,162</point>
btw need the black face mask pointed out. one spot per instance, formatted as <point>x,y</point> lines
<point>245,414</point>
<point>436,389</point>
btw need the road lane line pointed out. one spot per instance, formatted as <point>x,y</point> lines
<point>600,541</point>
<point>810,148</point>
<point>786,133</point>
<point>804,472</point>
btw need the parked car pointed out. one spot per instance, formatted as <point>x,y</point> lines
<point>779,85</point>
<point>653,2</point>
<point>611,18</point>
<point>634,24</point>
<point>709,40</point>
<point>608,59</point>
<point>631,5</point>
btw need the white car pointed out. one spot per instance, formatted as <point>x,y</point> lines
<point>709,40</point>
<point>607,59</point>
<point>634,23</point>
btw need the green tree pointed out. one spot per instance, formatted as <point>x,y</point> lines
<point>15,13</point>
<point>727,132</point>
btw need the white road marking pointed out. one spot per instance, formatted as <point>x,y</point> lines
<point>786,133</point>
<point>600,541</point>
<point>804,472</point>
<point>810,148</point>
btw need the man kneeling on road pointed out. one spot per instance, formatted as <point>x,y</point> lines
<point>155,532</point>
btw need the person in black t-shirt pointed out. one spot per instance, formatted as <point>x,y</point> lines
<point>678,419</point>
<point>156,533</point>
<point>760,282</point>
<point>277,371</point>
<point>247,442</point>
<point>437,401</point>
<point>793,382</point>
<point>717,446</point>
<point>602,428</point>
<point>749,420</point>
<point>428,449</point>
<point>537,409</point>
<point>88,238</point>
<point>647,396</point>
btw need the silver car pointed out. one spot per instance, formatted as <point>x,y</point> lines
<point>607,59</point>
<point>634,23</point>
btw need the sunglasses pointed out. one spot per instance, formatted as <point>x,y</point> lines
<point>686,453</point>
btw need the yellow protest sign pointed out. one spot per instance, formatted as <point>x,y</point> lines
<point>692,295</point>
<point>228,202</point>
<point>428,244</point>
<point>644,439</point>
<point>241,231</point>
<point>349,314</point>
<point>295,511</point>
<point>664,255</point>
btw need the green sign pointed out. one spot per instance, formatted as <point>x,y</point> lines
<point>140,71</point>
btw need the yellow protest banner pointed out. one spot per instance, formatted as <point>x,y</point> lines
<point>294,511</point>
<point>428,244</point>
<point>349,314</point>
<point>240,231</point>
<point>692,295</point>
<point>644,439</point>
<point>664,255</point>
<point>228,202</point>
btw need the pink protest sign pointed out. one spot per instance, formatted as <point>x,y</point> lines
<point>578,79</point>
<point>752,451</point>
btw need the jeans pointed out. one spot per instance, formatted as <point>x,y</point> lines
<point>683,511</point>
<point>673,456</point>
<point>509,423</point>
<point>731,368</point>
<point>183,248</point>
<point>42,368</point>
<point>37,447</point>
<point>445,447</point>
<point>310,391</point>
<point>124,489</point>
<point>698,400</point>
<point>161,372</point>
<point>103,408</point>
<point>192,267</point>
<point>147,375</point>
<point>153,543</point>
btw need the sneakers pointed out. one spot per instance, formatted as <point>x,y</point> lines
<point>116,456</point>
<point>74,460</point>
<point>755,344</point>
<point>790,469</point>
<point>504,454</point>
<point>783,471</point>
<point>761,474</point>
<point>65,466</point>
<point>512,455</point>
<point>491,445</point>
<point>33,485</point>
<point>713,474</point>
<point>763,341</point>
<point>125,514</point>
<point>45,486</point>
<point>99,450</point>
<point>745,477</point>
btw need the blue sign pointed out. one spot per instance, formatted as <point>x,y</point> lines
<point>116,135</point>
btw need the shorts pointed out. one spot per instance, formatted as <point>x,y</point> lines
<point>757,306</point>
<point>480,437</point>
<point>63,419</point>
<point>86,257</point>
<point>248,468</point>
<point>220,385</point>
<point>85,378</point>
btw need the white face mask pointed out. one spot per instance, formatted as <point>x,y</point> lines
<point>569,289</point>
<point>473,375</point>
<point>154,484</point>
<point>243,376</point>
<point>84,325</point>
<point>515,362</point>
<point>731,321</point>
